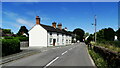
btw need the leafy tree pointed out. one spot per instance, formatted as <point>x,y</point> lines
<point>106,34</point>
<point>109,34</point>
<point>90,38</point>
<point>118,34</point>
<point>86,34</point>
<point>79,34</point>
<point>22,30</point>
<point>6,31</point>
<point>100,35</point>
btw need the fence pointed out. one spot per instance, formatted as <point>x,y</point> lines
<point>24,44</point>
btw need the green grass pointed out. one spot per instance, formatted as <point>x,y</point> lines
<point>109,46</point>
<point>99,61</point>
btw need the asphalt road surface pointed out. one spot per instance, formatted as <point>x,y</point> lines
<point>72,55</point>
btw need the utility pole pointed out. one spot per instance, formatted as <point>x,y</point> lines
<point>95,24</point>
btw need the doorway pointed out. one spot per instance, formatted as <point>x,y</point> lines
<point>54,41</point>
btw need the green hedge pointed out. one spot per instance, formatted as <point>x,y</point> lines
<point>112,43</point>
<point>10,46</point>
<point>21,38</point>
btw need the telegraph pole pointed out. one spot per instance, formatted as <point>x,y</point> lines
<point>95,24</point>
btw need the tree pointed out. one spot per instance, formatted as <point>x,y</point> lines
<point>86,34</point>
<point>100,35</point>
<point>118,34</point>
<point>90,38</point>
<point>22,30</point>
<point>106,34</point>
<point>6,31</point>
<point>79,34</point>
<point>109,34</point>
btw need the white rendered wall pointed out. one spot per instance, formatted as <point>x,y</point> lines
<point>60,39</point>
<point>64,39</point>
<point>37,36</point>
<point>53,36</point>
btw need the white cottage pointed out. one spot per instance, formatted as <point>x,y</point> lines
<point>44,35</point>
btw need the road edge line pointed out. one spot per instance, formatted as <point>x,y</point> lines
<point>90,58</point>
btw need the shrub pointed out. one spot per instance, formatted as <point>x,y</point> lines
<point>8,37</point>
<point>22,38</point>
<point>10,46</point>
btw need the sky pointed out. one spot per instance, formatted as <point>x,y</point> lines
<point>71,14</point>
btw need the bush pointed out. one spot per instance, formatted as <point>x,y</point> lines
<point>8,37</point>
<point>10,46</point>
<point>22,38</point>
<point>110,43</point>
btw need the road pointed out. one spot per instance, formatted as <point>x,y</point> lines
<point>72,55</point>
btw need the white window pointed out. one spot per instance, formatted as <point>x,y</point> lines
<point>50,40</point>
<point>63,41</point>
<point>58,40</point>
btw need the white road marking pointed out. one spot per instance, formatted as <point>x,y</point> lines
<point>64,52</point>
<point>44,50</point>
<point>51,62</point>
<point>53,48</point>
<point>70,49</point>
<point>90,58</point>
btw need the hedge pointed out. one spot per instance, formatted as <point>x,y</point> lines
<point>112,58</point>
<point>10,46</point>
<point>20,38</point>
<point>112,43</point>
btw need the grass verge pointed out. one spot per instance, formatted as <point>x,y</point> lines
<point>98,60</point>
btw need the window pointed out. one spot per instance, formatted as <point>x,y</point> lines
<point>57,39</point>
<point>63,41</point>
<point>50,40</point>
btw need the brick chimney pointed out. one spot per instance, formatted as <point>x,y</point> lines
<point>37,20</point>
<point>54,24</point>
<point>59,26</point>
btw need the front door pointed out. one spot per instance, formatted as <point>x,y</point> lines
<point>54,41</point>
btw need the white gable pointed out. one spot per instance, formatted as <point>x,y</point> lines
<point>37,36</point>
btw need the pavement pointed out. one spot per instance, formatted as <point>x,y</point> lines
<point>72,55</point>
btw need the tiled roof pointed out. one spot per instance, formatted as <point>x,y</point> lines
<point>48,28</point>
<point>52,29</point>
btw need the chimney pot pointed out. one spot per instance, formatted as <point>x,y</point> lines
<point>37,20</point>
<point>60,26</point>
<point>54,24</point>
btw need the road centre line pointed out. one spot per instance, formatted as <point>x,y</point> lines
<point>51,62</point>
<point>70,49</point>
<point>64,52</point>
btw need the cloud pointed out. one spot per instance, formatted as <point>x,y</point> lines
<point>16,25</point>
<point>10,14</point>
<point>24,22</point>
